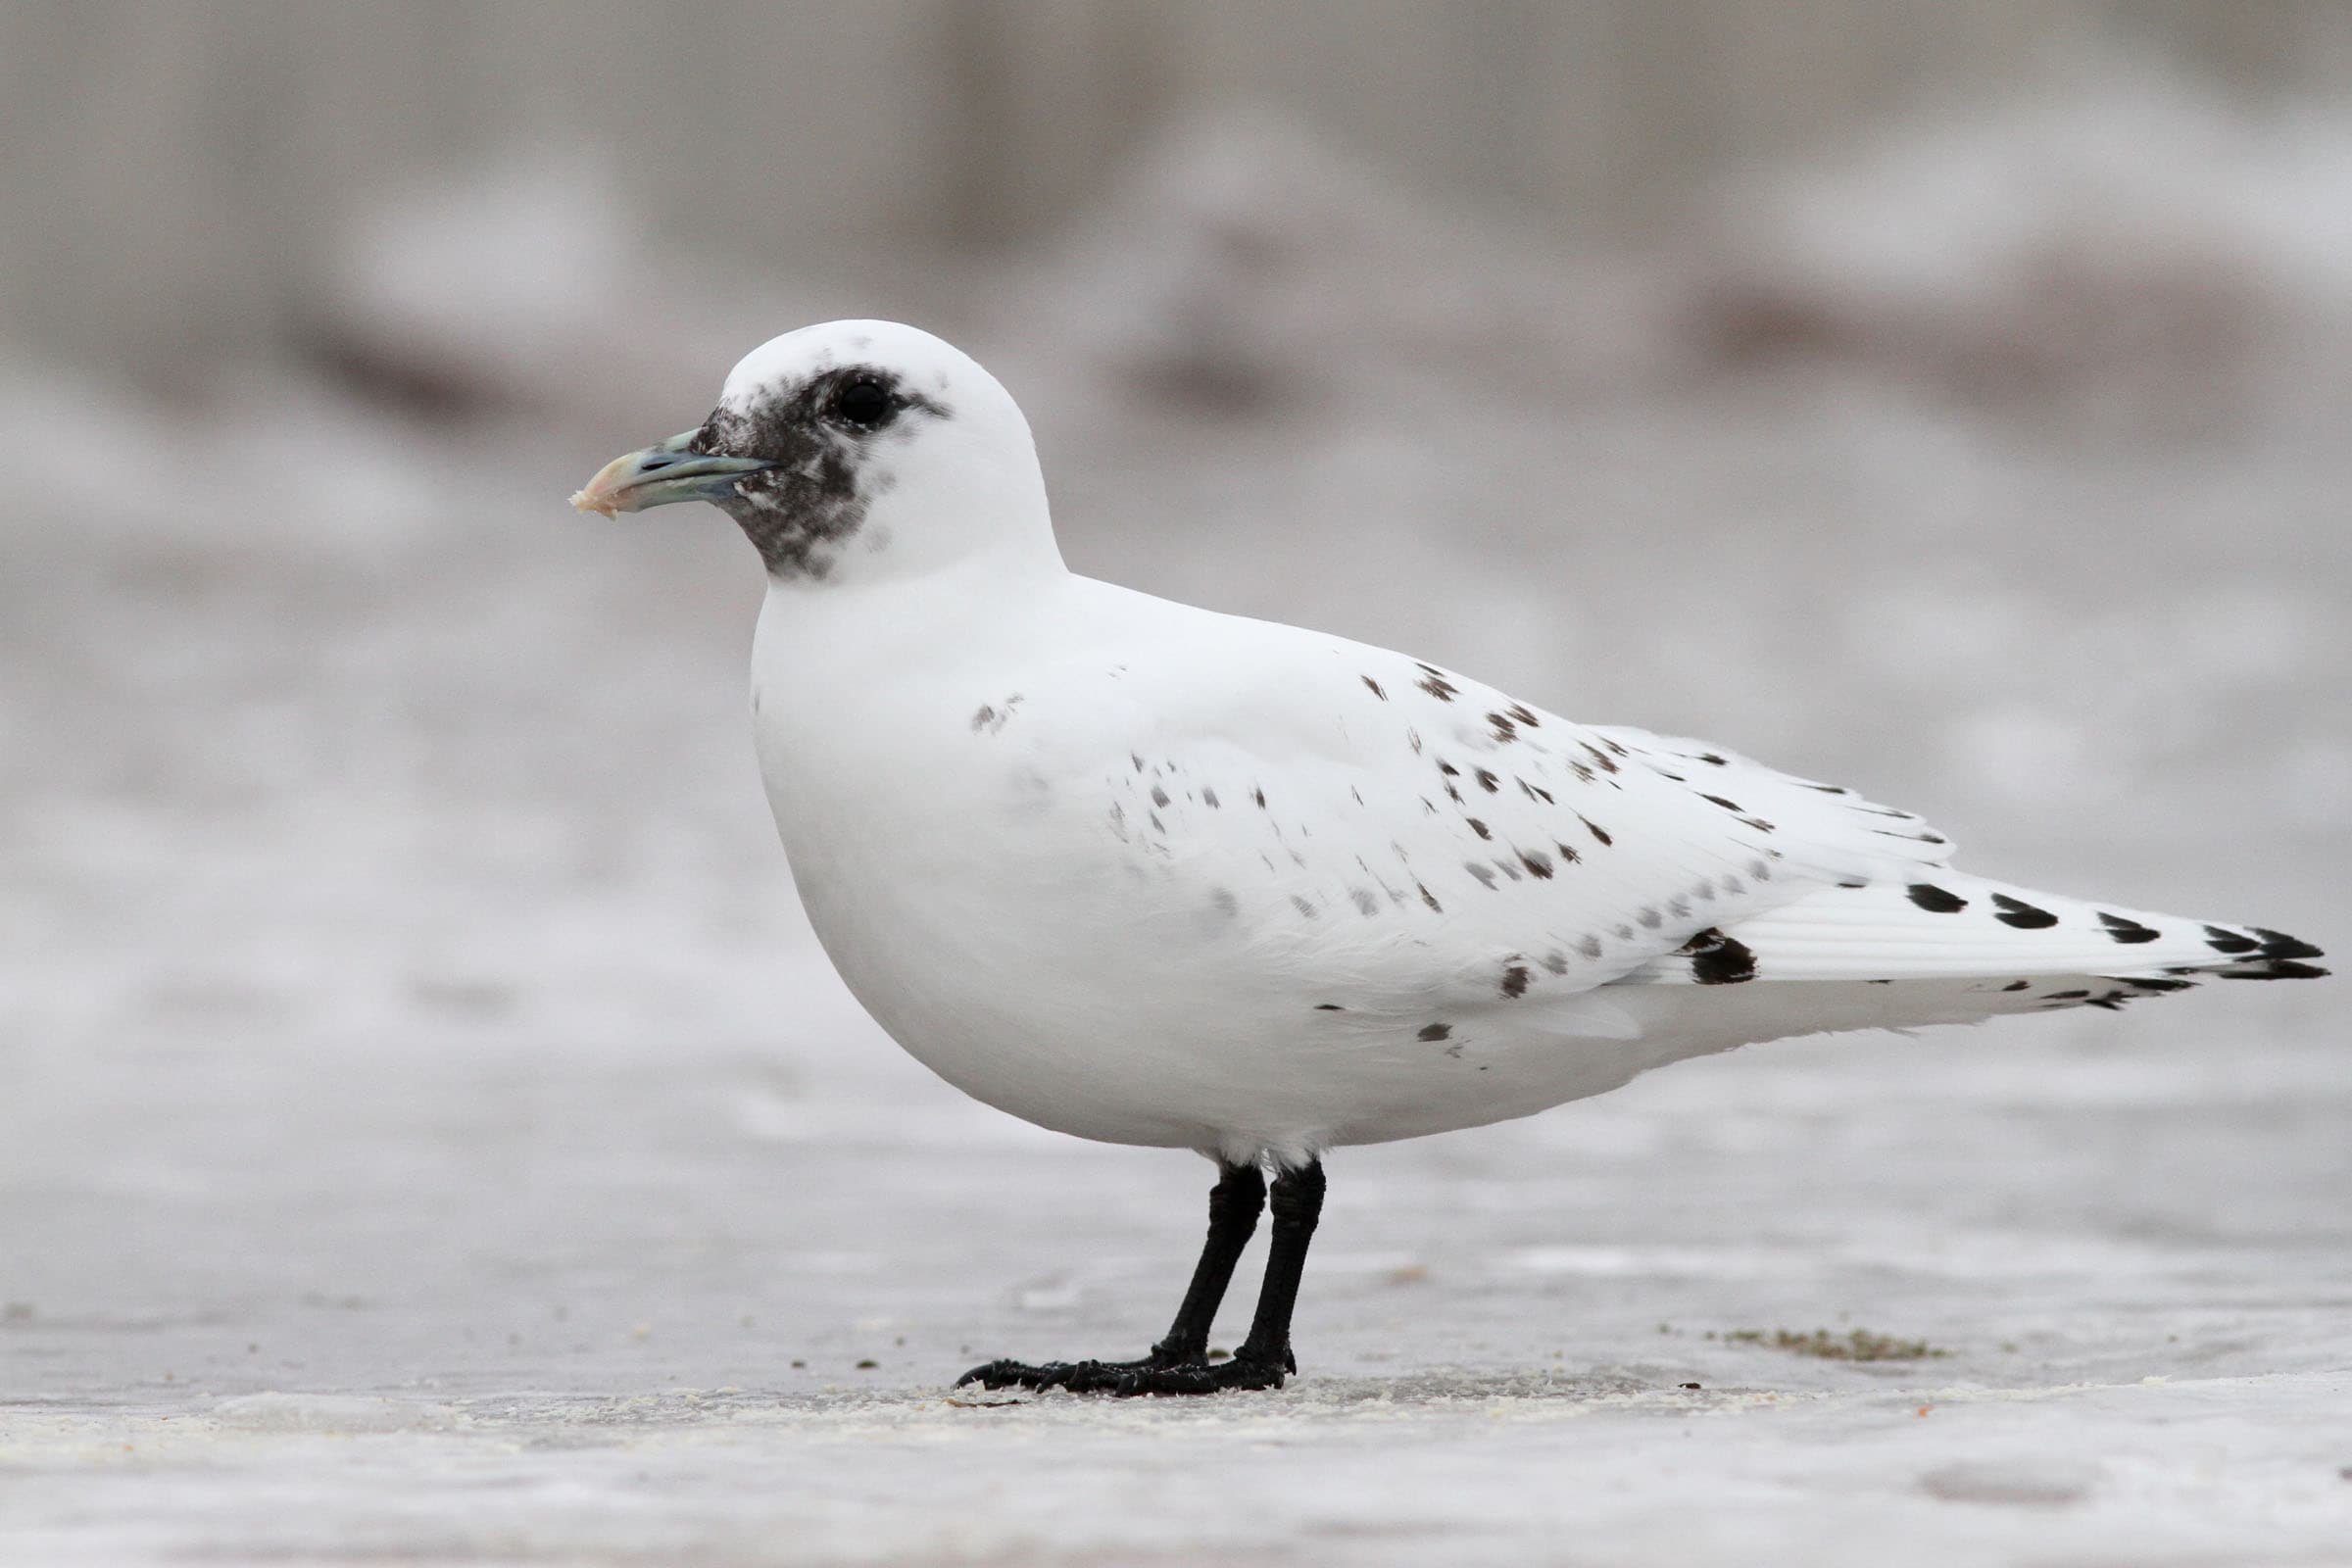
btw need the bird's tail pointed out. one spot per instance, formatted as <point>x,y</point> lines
<point>1962,947</point>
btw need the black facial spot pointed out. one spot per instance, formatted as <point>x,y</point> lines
<point>1436,1031</point>
<point>2127,931</point>
<point>818,436</point>
<point>1928,895</point>
<point>1719,960</point>
<point>2018,913</point>
<point>1515,978</point>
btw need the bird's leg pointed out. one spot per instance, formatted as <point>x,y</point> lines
<point>1265,1358</point>
<point>1234,1204</point>
<point>1298,1205</point>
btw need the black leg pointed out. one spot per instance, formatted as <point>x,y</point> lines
<point>1298,1205</point>
<point>1234,1204</point>
<point>1178,1363</point>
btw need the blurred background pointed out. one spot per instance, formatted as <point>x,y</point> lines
<point>1946,397</point>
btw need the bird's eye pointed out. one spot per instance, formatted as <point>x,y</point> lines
<point>865,404</point>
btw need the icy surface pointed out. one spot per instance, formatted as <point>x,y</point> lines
<point>427,1130</point>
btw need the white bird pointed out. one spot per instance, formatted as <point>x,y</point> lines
<point>1146,873</point>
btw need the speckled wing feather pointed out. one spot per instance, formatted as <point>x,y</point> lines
<point>1435,843</point>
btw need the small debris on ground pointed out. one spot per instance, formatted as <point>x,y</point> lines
<point>1857,1345</point>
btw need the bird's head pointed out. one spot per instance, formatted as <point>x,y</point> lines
<point>850,451</point>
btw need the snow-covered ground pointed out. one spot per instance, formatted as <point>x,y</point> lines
<point>427,1130</point>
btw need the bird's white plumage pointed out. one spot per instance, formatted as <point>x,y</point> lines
<point>1147,873</point>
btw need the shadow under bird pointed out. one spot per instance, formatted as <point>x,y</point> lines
<point>1144,873</point>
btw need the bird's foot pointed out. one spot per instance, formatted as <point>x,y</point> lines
<point>1128,1378</point>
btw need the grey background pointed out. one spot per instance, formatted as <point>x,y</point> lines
<point>427,1129</point>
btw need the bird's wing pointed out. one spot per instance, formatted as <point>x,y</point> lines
<point>1392,837</point>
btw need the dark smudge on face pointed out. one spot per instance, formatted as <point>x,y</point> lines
<point>822,436</point>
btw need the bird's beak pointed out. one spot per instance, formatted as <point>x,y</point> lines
<point>662,474</point>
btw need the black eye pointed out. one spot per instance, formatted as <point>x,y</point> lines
<point>868,404</point>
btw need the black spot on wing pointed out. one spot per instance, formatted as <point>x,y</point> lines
<point>2021,914</point>
<point>1719,960</point>
<point>1374,687</point>
<point>1433,681</point>
<point>1934,899</point>
<point>2278,970</point>
<point>1435,1031</point>
<point>1487,781</point>
<point>2279,944</point>
<point>1515,978</point>
<point>2127,930</point>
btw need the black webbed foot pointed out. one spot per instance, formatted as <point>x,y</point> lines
<point>1129,1379</point>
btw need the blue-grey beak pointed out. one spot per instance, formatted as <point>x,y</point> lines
<point>662,474</point>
